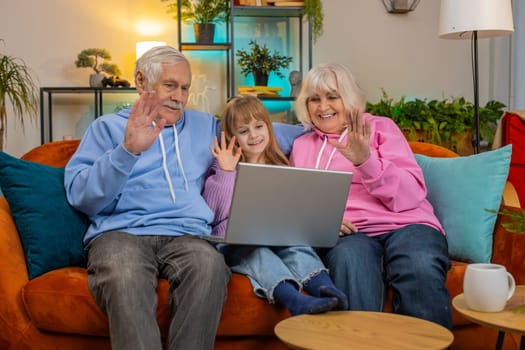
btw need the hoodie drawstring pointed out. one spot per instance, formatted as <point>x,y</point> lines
<point>325,141</point>
<point>165,163</point>
<point>179,159</point>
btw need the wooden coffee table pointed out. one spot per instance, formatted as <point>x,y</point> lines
<point>362,330</point>
<point>504,321</point>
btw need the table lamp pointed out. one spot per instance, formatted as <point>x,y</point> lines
<point>473,19</point>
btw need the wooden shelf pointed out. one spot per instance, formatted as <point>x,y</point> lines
<point>206,47</point>
<point>268,11</point>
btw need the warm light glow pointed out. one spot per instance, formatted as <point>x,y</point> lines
<point>149,28</point>
<point>143,46</point>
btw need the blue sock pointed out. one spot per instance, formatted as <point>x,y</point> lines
<point>321,285</point>
<point>297,303</point>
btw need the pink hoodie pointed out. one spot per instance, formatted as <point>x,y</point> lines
<point>388,190</point>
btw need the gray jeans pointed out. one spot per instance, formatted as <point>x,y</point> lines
<point>123,272</point>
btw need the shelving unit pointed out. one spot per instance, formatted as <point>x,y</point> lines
<point>289,18</point>
<point>46,104</point>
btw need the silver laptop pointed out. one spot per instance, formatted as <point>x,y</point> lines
<point>287,206</point>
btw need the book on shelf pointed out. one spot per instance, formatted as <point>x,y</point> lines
<point>251,3</point>
<point>260,91</point>
<point>285,3</point>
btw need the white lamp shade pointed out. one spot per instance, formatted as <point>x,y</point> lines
<point>143,46</point>
<point>459,18</point>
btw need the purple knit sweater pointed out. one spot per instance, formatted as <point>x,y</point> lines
<point>218,191</point>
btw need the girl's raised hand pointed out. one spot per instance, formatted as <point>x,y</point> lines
<point>225,155</point>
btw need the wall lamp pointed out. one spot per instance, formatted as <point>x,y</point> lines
<point>400,6</point>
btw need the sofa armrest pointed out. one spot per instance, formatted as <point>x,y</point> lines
<point>510,196</point>
<point>13,276</point>
<point>509,248</point>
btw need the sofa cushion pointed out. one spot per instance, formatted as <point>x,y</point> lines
<point>462,190</point>
<point>55,300</point>
<point>50,229</point>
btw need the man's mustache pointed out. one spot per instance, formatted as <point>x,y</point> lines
<point>173,104</point>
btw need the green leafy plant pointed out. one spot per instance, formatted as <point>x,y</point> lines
<point>515,219</point>
<point>200,11</point>
<point>17,86</point>
<point>260,59</point>
<point>313,10</point>
<point>96,59</point>
<point>438,121</point>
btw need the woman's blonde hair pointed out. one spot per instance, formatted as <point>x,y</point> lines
<point>331,78</point>
<point>241,110</point>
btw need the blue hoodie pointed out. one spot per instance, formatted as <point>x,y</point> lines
<point>141,194</point>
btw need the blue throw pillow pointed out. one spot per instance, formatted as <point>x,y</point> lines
<point>51,231</point>
<point>461,190</point>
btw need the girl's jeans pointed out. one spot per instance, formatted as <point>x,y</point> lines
<point>266,267</point>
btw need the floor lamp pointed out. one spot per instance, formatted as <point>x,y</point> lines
<point>473,19</point>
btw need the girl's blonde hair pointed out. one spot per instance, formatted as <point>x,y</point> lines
<point>332,78</point>
<point>241,110</point>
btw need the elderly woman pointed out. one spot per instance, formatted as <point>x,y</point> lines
<point>390,236</point>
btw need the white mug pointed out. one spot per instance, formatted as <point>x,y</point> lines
<point>487,287</point>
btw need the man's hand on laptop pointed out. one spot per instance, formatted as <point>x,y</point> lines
<point>347,228</point>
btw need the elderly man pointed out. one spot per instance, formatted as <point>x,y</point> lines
<point>138,175</point>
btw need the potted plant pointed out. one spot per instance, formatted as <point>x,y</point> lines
<point>261,62</point>
<point>17,86</point>
<point>204,14</point>
<point>96,59</point>
<point>448,122</point>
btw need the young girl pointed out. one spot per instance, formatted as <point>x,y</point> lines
<point>276,273</point>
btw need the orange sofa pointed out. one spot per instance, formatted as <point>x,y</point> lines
<point>56,310</point>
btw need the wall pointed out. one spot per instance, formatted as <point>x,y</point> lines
<point>399,53</point>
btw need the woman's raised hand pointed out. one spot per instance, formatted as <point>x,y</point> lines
<point>357,147</point>
<point>226,157</point>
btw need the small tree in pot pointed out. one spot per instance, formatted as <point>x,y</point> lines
<point>261,62</point>
<point>17,86</point>
<point>96,59</point>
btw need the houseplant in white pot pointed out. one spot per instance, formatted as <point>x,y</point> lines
<point>97,59</point>
<point>17,86</point>
<point>204,14</point>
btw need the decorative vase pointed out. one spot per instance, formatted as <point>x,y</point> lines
<point>204,32</point>
<point>260,78</point>
<point>95,80</point>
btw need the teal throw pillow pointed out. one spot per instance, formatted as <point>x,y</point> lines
<point>51,231</point>
<point>461,190</point>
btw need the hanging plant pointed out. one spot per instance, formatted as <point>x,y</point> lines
<point>313,10</point>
